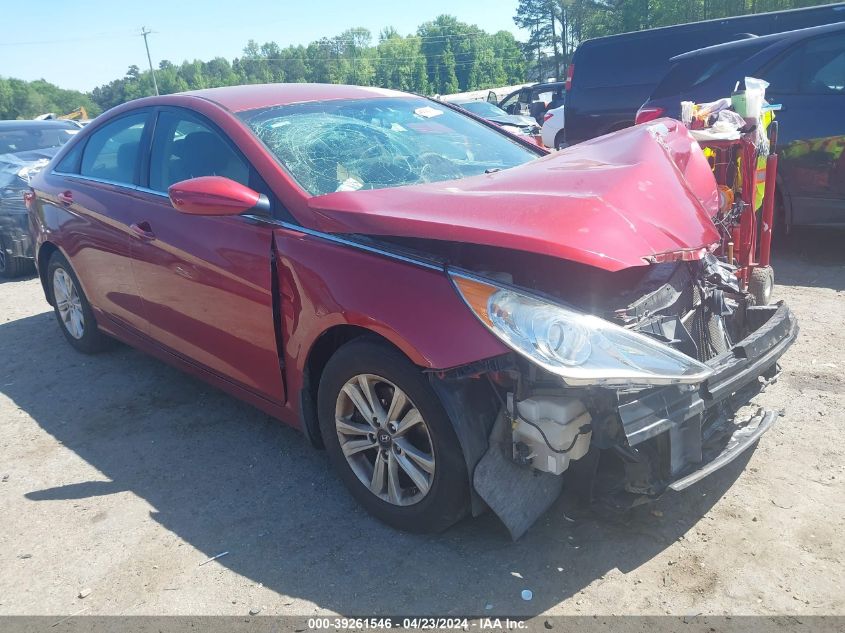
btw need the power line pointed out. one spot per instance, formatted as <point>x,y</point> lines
<point>145,31</point>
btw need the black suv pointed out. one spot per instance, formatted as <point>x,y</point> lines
<point>610,77</point>
<point>806,73</point>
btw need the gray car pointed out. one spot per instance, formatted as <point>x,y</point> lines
<point>25,148</point>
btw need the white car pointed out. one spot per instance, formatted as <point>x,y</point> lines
<point>552,130</point>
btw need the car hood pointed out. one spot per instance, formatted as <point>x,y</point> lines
<point>612,202</point>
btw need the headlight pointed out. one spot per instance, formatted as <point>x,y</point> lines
<point>25,173</point>
<point>582,349</point>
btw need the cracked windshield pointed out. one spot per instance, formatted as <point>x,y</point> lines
<point>378,143</point>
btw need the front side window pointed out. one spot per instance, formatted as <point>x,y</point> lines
<point>347,145</point>
<point>184,147</point>
<point>111,152</point>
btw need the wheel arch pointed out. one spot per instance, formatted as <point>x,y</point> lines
<point>322,349</point>
<point>45,252</point>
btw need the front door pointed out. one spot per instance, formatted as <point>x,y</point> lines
<point>809,81</point>
<point>206,281</point>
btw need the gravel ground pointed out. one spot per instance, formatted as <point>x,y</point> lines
<point>120,476</point>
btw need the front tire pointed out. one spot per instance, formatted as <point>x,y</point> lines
<point>73,312</point>
<point>761,284</point>
<point>390,440</point>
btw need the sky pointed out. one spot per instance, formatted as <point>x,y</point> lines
<point>82,44</point>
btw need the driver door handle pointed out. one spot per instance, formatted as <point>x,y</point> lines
<point>143,230</point>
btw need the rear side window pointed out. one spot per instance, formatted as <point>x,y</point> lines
<point>111,152</point>
<point>184,147</point>
<point>785,74</point>
<point>72,160</point>
<point>693,72</point>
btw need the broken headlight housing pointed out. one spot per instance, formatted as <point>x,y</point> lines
<point>582,349</point>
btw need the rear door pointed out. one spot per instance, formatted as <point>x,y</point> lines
<point>96,199</point>
<point>206,281</point>
<point>809,81</point>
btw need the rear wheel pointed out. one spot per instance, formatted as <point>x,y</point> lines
<point>73,312</point>
<point>560,140</point>
<point>390,440</point>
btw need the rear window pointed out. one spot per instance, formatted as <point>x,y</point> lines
<point>29,138</point>
<point>691,73</point>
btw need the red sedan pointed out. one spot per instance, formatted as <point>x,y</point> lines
<point>457,317</point>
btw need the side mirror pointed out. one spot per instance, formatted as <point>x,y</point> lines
<point>215,195</point>
<point>491,98</point>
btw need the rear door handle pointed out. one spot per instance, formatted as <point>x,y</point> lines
<point>143,230</point>
<point>66,198</point>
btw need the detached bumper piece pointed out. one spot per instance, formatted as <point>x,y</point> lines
<point>740,440</point>
<point>14,227</point>
<point>678,436</point>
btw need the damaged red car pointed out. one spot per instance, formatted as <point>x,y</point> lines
<point>463,321</point>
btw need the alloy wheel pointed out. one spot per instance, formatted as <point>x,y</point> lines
<point>385,439</point>
<point>68,303</point>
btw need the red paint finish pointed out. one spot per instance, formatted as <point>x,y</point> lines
<point>223,296</point>
<point>324,285</point>
<point>610,202</point>
<point>212,195</point>
<point>249,97</point>
<point>644,115</point>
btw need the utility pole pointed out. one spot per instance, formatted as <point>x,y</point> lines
<point>145,31</point>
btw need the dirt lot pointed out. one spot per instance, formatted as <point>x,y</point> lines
<point>120,476</point>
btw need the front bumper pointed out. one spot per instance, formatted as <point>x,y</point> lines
<point>678,435</point>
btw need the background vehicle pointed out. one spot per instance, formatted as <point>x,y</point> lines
<point>534,100</point>
<point>553,132</point>
<point>610,77</point>
<point>806,72</point>
<point>453,346</point>
<point>513,123</point>
<point>25,148</point>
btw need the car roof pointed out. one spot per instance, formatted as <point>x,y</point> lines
<point>738,20</point>
<point>29,123</point>
<point>253,96</point>
<point>786,37</point>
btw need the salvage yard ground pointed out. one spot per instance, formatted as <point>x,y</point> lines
<point>120,475</point>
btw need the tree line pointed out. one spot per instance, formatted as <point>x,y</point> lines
<point>444,56</point>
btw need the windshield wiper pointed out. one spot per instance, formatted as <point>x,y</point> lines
<point>492,170</point>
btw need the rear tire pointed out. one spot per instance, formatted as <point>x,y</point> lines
<point>560,140</point>
<point>72,309</point>
<point>410,476</point>
<point>761,284</point>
